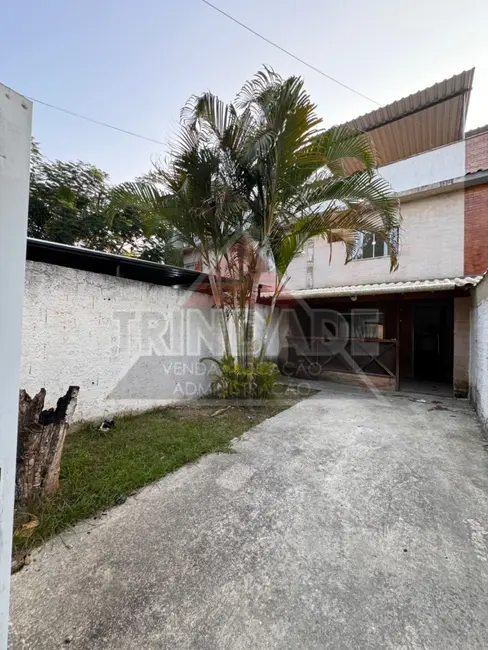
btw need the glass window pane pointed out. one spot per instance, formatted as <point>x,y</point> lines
<point>380,248</point>
<point>359,251</point>
<point>394,237</point>
<point>368,245</point>
<point>367,324</point>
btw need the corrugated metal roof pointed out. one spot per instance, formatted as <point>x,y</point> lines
<point>410,286</point>
<point>422,121</point>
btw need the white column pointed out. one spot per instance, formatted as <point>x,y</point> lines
<point>15,142</point>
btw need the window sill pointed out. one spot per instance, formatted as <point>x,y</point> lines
<point>369,259</point>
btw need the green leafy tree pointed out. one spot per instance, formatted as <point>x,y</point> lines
<point>68,204</point>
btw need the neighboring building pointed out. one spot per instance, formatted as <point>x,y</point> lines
<point>412,325</point>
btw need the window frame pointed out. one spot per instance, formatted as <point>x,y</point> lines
<point>394,235</point>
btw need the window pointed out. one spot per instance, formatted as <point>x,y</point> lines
<point>367,324</point>
<point>373,246</point>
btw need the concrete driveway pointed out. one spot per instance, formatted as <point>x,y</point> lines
<point>344,522</point>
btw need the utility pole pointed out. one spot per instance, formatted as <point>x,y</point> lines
<point>15,144</point>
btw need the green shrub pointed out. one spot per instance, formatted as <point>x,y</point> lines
<point>234,381</point>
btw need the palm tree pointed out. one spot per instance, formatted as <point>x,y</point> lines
<point>191,196</point>
<point>255,180</point>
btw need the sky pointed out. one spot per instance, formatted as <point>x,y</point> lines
<point>134,64</point>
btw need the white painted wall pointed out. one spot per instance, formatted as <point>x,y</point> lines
<point>15,140</point>
<point>433,166</point>
<point>439,219</point>
<point>431,246</point>
<point>129,345</point>
<point>478,354</point>
<point>273,341</point>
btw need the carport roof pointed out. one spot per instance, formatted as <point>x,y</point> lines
<point>410,286</point>
<point>425,120</point>
<point>131,268</point>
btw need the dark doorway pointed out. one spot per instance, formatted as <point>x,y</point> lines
<point>433,341</point>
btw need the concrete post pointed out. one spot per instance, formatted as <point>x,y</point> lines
<point>15,143</point>
<point>462,314</point>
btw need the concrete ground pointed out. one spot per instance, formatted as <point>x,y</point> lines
<point>344,522</point>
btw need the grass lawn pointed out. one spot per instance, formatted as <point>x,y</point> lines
<point>100,468</point>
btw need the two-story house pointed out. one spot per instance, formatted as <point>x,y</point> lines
<point>409,328</point>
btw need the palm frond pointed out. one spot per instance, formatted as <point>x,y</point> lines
<point>342,143</point>
<point>264,81</point>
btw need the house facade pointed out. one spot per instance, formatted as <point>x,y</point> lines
<point>409,328</point>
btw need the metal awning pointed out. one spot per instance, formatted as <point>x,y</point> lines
<point>412,286</point>
<point>422,121</point>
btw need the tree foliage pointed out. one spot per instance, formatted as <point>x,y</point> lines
<point>68,204</point>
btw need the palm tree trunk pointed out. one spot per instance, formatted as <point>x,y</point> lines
<point>241,346</point>
<point>242,336</point>
<point>238,329</point>
<point>215,285</point>
<point>237,317</point>
<point>251,318</point>
<point>269,318</point>
<point>225,332</point>
<point>267,324</point>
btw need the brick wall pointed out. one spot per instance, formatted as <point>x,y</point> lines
<point>462,314</point>
<point>476,208</point>
<point>476,229</point>
<point>477,153</point>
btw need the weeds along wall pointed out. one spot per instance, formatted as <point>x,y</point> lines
<point>129,345</point>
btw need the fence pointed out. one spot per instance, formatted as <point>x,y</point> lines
<point>321,357</point>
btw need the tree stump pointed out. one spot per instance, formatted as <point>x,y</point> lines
<point>40,443</point>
